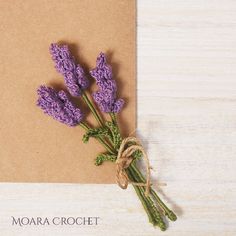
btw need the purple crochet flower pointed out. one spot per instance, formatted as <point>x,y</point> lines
<point>58,105</point>
<point>106,97</point>
<point>103,74</point>
<point>65,64</point>
<point>107,102</point>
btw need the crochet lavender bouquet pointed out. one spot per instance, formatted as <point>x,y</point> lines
<point>123,152</point>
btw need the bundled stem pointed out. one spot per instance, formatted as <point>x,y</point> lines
<point>134,175</point>
<point>150,208</point>
<point>140,178</point>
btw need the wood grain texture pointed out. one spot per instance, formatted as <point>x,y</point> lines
<point>187,120</point>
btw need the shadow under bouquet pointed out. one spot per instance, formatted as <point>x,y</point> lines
<point>124,152</point>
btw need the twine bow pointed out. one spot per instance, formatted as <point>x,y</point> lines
<point>124,159</point>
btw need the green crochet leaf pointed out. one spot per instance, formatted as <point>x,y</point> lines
<point>104,157</point>
<point>96,132</point>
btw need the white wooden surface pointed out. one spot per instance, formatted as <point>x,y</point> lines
<point>187,119</point>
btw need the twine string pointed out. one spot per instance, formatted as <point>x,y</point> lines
<point>124,159</point>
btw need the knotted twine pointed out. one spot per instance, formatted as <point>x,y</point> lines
<point>124,159</point>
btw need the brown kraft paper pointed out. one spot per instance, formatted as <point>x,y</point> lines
<point>33,146</point>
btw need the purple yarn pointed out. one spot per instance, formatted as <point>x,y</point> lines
<point>103,74</point>
<point>106,96</point>
<point>107,102</point>
<point>102,70</point>
<point>58,105</point>
<point>74,76</point>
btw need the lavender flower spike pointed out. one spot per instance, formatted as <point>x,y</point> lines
<point>102,73</point>
<point>107,102</point>
<point>65,64</point>
<point>106,96</point>
<point>58,105</point>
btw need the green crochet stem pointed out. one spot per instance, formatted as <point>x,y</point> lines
<point>138,189</point>
<point>143,201</point>
<point>152,211</point>
<point>113,118</point>
<point>140,178</point>
<point>93,109</point>
<point>97,116</point>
